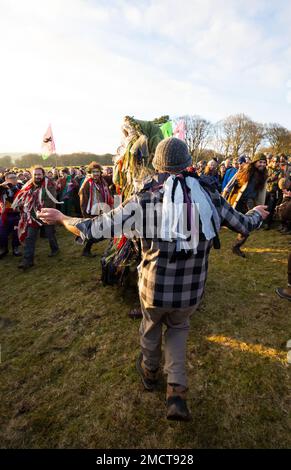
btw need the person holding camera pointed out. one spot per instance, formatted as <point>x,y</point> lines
<point>9,218</point>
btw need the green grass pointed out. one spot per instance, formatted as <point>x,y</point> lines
<point>68,352</point>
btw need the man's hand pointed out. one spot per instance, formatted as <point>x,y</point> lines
<point>262,210</point>
<point>51,216</point>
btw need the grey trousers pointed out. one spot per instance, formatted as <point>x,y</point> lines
<point>177,322</point>
<point>30,241</point>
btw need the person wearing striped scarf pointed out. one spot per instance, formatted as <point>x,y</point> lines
<point>36,193</point>
<point>94,198</point>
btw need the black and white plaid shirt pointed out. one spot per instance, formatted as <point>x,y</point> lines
<point>167,279</point>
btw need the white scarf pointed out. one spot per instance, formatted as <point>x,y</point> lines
<point>173,224</point>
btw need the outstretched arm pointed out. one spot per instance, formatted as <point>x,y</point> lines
<point>53,216</point>
<point>97,228</point>
<point>242,223</point>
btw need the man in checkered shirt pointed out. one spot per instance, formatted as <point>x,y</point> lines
<point>173,270</point>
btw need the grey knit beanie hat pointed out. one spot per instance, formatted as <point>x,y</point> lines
<point>171,155</point>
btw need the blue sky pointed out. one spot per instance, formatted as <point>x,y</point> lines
<point>82,65</point>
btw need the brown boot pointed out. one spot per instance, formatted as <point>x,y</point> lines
<point>149,378</point>
<point>240,241</point>
<point>237,251</point>
<point>177,409</point>
<point>284,293</point>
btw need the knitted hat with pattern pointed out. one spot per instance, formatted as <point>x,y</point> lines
<point>171,156</point>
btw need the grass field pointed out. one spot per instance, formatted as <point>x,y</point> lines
<point>68,351</point>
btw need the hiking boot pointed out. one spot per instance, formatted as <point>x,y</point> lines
<point>237,251</point>
<point>24,265</point>
<point>88,254</point>
<point>53,253</point>
<point>135,314</point>
<point>16,252</point>
<point>284,293</point>
<point>177,409</point>
<point>3,253</point>
<point>149,378</point>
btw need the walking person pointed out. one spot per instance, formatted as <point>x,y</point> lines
<point>174,258</point>
<point>94,196</point>
<point>246,190</point>
<point>37,193</point>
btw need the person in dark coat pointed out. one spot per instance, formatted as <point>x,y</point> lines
<point>9,218</point>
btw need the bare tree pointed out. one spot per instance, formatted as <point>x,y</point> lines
<point>220,142</point>
<point>197,133</point>
<point>236,133</point>
<point>255,134</point>
<point>279,138</point>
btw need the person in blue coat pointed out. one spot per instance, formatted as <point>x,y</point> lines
<point>232,171</point>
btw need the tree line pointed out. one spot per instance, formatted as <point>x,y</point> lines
<point>72,159</point>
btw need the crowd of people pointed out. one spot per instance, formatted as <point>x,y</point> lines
<point>22,193</point>
<point>242,194</point>
<point>78,191</point>
<point>245,182</point>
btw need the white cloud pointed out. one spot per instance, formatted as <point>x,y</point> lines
<point>83,65</point>
<point>132,14</point>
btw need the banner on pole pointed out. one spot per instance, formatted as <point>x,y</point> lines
<point>48,144</point>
